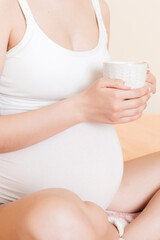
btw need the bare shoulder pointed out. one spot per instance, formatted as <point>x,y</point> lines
<point>6,15</point>
<point>106,16</point>
<point>8,11</point>
<point>105,8</point>
<point>105,13</point>
<point>6,22</point>
<point>6,7</point>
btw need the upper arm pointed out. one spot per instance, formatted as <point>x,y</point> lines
<point>5,29</point>
<point>106,17</point>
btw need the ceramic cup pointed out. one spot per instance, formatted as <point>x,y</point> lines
<point>133,73</point>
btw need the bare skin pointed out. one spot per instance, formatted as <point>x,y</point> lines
<point>54,214</point>
<point>146,226</point>
<point>34,214</point>
<point>141,182</point>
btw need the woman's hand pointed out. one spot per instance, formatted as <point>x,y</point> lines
<point>104,101</point>
<point>151,81</point>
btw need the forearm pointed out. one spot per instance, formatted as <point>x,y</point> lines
<point>21,130</point>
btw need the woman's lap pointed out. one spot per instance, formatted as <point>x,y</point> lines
<point>135,170</point>
<point>14,216</point>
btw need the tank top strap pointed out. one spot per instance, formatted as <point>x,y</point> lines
<point>96,5</point>
<point>103,32</point>
<point>27,12</point>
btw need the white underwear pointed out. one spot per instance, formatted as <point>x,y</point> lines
<point>121,220</point>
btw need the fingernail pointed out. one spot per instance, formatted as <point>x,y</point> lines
<point>149,89</point>
<point>151,94</point>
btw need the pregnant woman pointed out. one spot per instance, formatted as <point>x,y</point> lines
<point>61,164</point>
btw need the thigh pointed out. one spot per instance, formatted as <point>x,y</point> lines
<point>12,215</point>
<point>141,179</point>
<point>147,224</point>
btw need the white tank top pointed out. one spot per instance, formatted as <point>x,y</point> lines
<point>86,158</point>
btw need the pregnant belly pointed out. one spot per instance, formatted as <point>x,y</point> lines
<point>86,159</point>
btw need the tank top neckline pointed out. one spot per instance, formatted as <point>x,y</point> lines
<point>31,23</point>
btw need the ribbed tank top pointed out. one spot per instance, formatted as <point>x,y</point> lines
<point>85,158</point>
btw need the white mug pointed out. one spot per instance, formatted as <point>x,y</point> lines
<point>133,73</point>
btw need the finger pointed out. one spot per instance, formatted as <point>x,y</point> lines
<point>135,103</point>
<point>113,83</point>
<point>151,87</point>
<point>133,93</point>
<point>152,80</point>
<point>148,69</point>
<point>133,112</point>
<point>129,119</point>
<point>149,78</point>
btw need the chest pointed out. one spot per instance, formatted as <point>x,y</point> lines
<point>71,24</point>
<point>47,71</point>
<point>41,68</point>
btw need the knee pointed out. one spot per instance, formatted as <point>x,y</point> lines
<point>53,216</point>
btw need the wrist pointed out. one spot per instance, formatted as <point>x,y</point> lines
<point>78,107</point>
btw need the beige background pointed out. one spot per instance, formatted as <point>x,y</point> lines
<point>135,36</point>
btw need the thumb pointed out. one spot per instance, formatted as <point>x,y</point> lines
<point>114,83</point>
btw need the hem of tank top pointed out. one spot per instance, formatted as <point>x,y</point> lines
<point>22,42</point>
